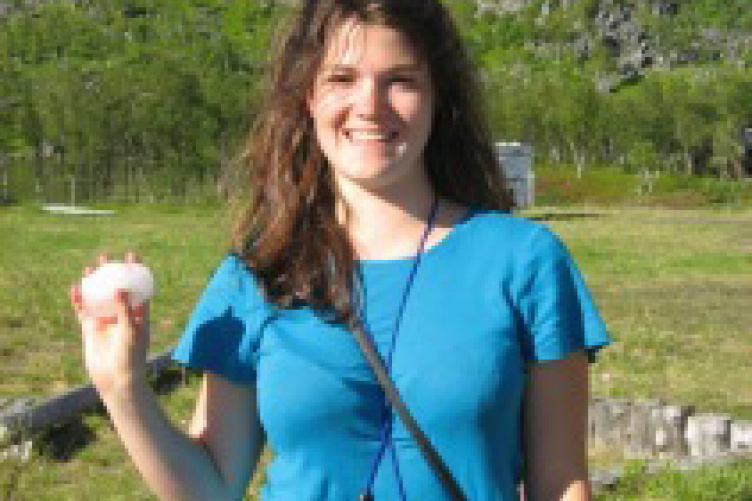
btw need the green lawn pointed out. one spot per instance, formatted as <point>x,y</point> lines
<point>710,483</point>
<point>41,255</point>
<point>674,286</point>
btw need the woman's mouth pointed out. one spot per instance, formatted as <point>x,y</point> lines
<point>370,136</point>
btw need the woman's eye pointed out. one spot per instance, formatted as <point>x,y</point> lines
<point>339,78</point>
<point>403,80</point>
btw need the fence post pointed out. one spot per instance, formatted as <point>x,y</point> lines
<point>4,165</point>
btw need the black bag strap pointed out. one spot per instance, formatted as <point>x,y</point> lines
<point>429,452</point>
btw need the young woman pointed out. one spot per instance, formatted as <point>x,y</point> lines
<point>375,204</point>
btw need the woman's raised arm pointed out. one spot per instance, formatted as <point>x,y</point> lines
<point>215,459</point>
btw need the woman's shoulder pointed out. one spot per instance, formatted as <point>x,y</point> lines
<point>233,263</point>
<point>505,227</point>
<point>234,279</point>
<point>232,267</point>
<point>506,239</point>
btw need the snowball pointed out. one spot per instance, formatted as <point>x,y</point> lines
<point>98,289</point>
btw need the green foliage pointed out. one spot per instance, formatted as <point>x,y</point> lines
<point>704,190</point>
<point>687,119</point>
<point>560,185</point>
<point>147,100</point>
<point>125,94</point>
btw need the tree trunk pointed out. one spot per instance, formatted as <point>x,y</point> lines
<point>4,196</point>
<point>688,163</point>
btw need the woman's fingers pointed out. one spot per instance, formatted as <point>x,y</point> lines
<point>102,323</point>
<point>132,257</point>
<point>77,301</point>
<point>75,295</point>
<point>124,314</point>
<point>103,258</point>
<point>141,311</point>
<point>132,318</point>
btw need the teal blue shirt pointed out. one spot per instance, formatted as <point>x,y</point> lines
<point>497,294</point>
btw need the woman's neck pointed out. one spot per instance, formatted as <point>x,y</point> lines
<point>386,225</point>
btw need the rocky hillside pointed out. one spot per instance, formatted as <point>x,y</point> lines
<point>630,38</point>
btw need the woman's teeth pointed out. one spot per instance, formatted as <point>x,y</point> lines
<point>370,135</point>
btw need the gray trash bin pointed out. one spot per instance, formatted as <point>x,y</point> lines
<point>516,163</point>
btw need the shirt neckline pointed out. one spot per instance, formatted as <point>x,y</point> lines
<point>429,252</point>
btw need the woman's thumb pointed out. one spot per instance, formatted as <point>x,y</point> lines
<point>123,307</point>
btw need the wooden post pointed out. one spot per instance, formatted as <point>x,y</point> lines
<point>4,165</point>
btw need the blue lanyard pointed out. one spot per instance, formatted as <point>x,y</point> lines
<point>386,427</point>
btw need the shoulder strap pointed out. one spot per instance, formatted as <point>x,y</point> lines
<point>429,452</point>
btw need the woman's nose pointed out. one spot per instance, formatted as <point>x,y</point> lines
<point>369,98</point>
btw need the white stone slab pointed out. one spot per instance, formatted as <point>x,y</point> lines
<point>72,210</point>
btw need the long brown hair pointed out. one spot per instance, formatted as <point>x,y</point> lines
<point>288,232</point>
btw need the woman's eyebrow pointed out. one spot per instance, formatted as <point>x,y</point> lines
<point>406,67</point>
<point>396,67</point>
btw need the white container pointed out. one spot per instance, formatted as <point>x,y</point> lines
<point>98,289</point>
<point>516,164</point>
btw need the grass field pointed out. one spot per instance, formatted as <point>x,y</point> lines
<point>674,286</point>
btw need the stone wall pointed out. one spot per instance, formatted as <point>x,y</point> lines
<point>652,429</point>
<point>633,429</point>
<point>649,430</point>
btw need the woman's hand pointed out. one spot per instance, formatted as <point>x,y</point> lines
<point>115,349</point>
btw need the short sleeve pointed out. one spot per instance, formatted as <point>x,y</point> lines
<point>223,333</point>
<point>557,310</point>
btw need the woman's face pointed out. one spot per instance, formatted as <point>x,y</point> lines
<point>372,108</point>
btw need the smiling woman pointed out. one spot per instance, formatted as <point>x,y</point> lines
<point>372,107</point>
<point>405,61</point>
<point>376,213</point>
